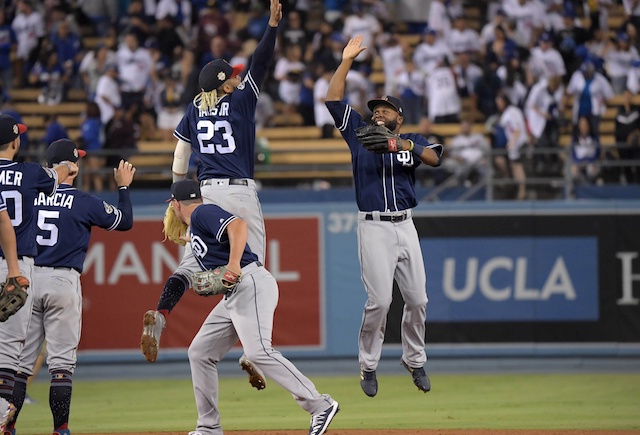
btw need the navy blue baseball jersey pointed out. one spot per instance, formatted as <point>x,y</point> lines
<point>3,205</point>
<point>223,138</point>
<point>65,220</point>
<point>20,183</point>
<point>209,239</point>
<point>396,170</point>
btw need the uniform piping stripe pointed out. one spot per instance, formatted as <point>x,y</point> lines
<point>252,83</point>
<point>181,137</point>
<point>384,184</point>
<point>345,119</point>
<point>118,215</point>
<point>393,184</point>
<point>223,227</point>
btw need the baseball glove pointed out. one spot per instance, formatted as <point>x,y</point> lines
<point>173,227</point>
<point>379,139</point>
<point>13,295</point>
<point>218,281</point>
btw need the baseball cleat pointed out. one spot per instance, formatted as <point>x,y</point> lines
<point>153,323</point>
<point>256,377</point>
<point>9,432</point>
<point>62,432</point>
<point>7,410</point>
<point>420,378</point>
<point>320,422</point>
<point>369,382</point>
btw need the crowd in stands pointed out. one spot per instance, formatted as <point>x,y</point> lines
<point>515,67</point>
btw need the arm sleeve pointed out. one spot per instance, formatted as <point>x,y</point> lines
<point>125,207</point>
<point>262,57</point>
<point>181,157</point>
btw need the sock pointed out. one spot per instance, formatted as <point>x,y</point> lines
<point>7,381</point>
<point>60,397</point>
<point>173,290</point>
<point>19,391</point>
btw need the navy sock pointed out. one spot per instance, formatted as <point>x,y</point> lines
<point>60,397</point>
<point>7,381</point>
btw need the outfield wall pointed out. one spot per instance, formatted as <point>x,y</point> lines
<point>517,279</point>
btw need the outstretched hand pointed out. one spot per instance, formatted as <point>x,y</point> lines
<point>123,174</point>
<point>353,48</point>
<point>275,10</point>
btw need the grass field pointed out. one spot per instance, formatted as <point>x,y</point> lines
<point>514,401</point>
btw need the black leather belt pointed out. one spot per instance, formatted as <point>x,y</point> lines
<point>397,218</point>
<point>232,181</point>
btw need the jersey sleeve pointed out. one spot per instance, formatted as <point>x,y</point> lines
<point>3,205</point>
<point>46,179</point>
<point>105,215</point>
<point>347,121</point>
<point>182,130</point>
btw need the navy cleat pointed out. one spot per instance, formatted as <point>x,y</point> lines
<point>420,378</point>
<point>369,382</point>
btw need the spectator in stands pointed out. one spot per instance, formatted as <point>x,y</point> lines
<point>590,91</point>
<point>321,44</point>
<point>462,39</point>
<point>443,98</point>
<point>323,118</point>
<point>486,89</point>
<point>361,22</point>
<point>513,79</point>
<point>218,49</point>
<point>439,18</point>
<point>257,22</point>
<point>265,111</point>
<point>528,16</point>
<point>392,54</point>
<point>54,130</point>
<point>618,60</point>
<point>569,38</point>
<point>543,112</point>
<point>467,73</point>
<point>51,77</point>
<point>333,9</point>
<point>467,154</point>
<point>69,49</point>
<point>305,107</point>
<point>134,67</point>
<point>487,34</point>
<point>545,60</point>
<point>121,137</point>
<point>108,93</point>
<point>585,149</point>
<point>514,131</point>
<point>431,52</point>
<point>211,23</point>
<point>93,65</point>
<point>288,72</point>
<point>102,14</point>
<point>411,88</point>
<point>168,36</point>
<point>30,30</point>
<point>8,44</point>
<point>170,111</point>
<point>293,33</point>
<point>627,135</point>
<point>92,141</point>
<point>501,48</point>
<point>135,21</point>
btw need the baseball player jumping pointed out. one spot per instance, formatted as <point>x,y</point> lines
<point>20,184</point>
<point>218,238</point>
<point>388,243</point>
<point>64,226</point>
<point>219,128</point>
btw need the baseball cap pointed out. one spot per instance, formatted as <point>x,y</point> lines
<point>216,72</point>
<point>63,150</point>
<point>545,36</point>
<point>10,129</point>
<point>184,190</point>
<point>393,102</point>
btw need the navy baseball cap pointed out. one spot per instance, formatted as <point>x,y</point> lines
<point>10,129</point>
<point>63,150</point>
<point>184,190</point>
<point>388,100</point>
<point>216,72</point>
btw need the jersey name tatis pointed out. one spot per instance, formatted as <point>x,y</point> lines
<point>221,110</point>
<point>11,178</point>
<point>56,200</point>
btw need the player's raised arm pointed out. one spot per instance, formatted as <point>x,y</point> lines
<point>336,85</point>
<point>263,54</point>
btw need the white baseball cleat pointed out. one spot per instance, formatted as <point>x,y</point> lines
<point>256,377</point>
<point>153,323</point>
<point>7,410</point>
<point>320,422</point>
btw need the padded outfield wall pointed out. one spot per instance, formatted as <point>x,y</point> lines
<point>516,279</point>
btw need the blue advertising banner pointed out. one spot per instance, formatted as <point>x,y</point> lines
<point>512,279</point>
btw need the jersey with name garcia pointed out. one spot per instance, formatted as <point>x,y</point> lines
<point>64,224</point>
<point>383,182</point>
<point>223,138</point>
<point>20,183</point>
<point>209,239</point>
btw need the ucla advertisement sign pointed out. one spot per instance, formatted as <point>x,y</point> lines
<point>512,279</point>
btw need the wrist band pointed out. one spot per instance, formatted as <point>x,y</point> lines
<point>123,187</point>
<point>412,145</point>
<point>66,163</point>
<point>417,149</point>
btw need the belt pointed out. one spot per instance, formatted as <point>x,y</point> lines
<point>232,181</point>
<point>396,218</point>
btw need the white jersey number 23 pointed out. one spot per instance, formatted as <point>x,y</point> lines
<point>206,132</point>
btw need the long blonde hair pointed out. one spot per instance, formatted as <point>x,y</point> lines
<point>206,100</point>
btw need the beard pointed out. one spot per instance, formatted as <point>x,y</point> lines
<point>392,125</point>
